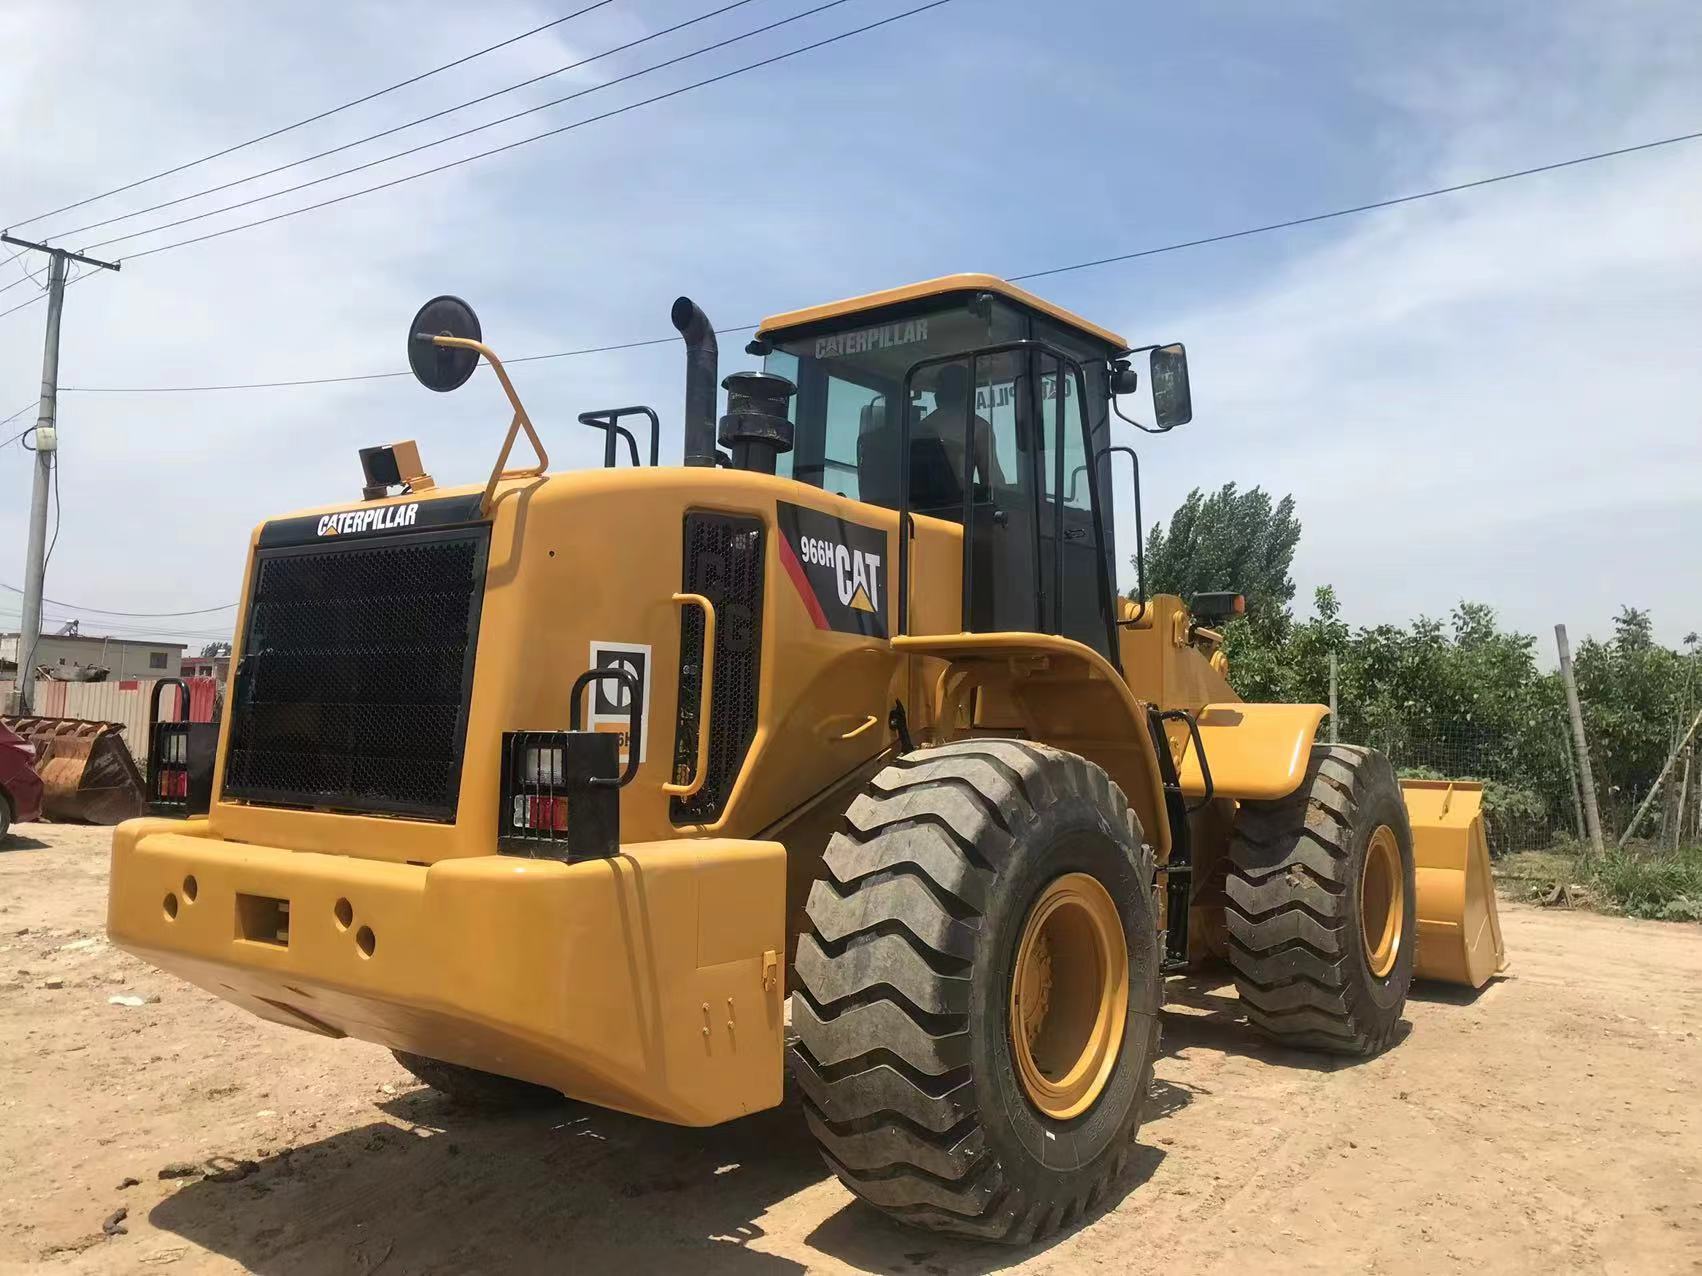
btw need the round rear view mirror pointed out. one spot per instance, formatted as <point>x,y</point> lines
<point>443,368</point>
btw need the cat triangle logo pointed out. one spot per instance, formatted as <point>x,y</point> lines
<point>860,601</point>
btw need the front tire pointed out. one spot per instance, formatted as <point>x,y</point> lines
<point>969,878</point>
<point>1321,906</point>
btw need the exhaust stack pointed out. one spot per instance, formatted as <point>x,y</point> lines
<point>703,358</point>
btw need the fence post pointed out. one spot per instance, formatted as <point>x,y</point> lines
<point>1660,780</point>
<point>1592,816</point>
<point>1335,732</point>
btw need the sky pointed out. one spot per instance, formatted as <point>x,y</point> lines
<point>1494,395</point>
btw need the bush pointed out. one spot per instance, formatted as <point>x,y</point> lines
<point>1651,884</point>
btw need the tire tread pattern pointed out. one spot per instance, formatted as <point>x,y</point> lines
<point>881,1007</point>
<point>1293,929</point>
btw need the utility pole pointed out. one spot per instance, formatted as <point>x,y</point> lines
<point>46,457</point>
<point>1592,816</point>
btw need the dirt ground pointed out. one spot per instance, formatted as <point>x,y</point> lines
<point>1549,1123</point>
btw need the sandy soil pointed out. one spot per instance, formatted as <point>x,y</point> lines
<point>1546,1124</point>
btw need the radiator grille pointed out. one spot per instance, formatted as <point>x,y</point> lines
<point>356,671</point>
<point>724,563</point>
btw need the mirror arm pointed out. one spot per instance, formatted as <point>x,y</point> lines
<point>521,421</point>
<point>1117,407</point>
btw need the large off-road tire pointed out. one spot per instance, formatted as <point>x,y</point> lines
<point>1321,906</point>
<point>965,886</point>
<point>477,1089</point>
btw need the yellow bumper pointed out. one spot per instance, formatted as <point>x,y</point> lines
<point>649,982</point>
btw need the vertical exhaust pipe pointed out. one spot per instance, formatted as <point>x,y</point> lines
<point>703,358</point>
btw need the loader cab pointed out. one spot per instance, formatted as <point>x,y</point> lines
<point>968,400</point>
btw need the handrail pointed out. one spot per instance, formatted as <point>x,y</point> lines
<point>634,719</point>
<point>498,474</point>
<point>705,699</point>
<point>608,420</point>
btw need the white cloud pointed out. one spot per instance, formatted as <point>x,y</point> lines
<point>1492,395</point>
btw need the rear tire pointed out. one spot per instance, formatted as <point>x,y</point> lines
<point>477,1089</point>
<point>1321,906</point>
<point>913,1084</point>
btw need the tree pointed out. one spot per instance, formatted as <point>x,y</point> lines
<point>215,649</point>
<point>1242,542</point>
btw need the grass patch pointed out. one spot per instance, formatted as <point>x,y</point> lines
<point>1639,881</point>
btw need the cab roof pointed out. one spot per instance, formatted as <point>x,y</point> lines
<point>944,285</point>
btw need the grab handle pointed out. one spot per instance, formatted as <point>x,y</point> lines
<point>700,772</point>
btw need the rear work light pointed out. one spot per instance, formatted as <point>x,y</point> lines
<point>561,789</point>
<point>180,757</point>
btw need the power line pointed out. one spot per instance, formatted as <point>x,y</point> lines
<point>464,133</point>
<point>1364,208</point>
<point>377,376</point>
<point>314,119</point>
<point>42,296</point>
<point>1037,274</point>
<point>536,137</point>
<point>373,137</point>
<point>141,615</point>
<point>8,420</point>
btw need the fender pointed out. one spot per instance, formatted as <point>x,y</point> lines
<point>1255,751</point>
<point>1068,695</point>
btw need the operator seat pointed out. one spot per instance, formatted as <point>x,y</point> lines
<point>934,486</point>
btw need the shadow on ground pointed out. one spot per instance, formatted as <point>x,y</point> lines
<point>1203,1010</point>
<point>1451,994</point>
<point>568,1188</point>
<point>21,842</point>
<point>453,1189</point>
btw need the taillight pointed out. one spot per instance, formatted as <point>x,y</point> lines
<point>561,789</point>
<point>540,814</point>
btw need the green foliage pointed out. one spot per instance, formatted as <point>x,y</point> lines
<point>215,649</point>
<point>1460,698</point>
<point>1232,540</point>
<point>1635,693</point>
<point>1665,887</point>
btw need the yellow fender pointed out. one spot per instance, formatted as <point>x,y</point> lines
<point>1459,930</point>
<point>1256,752</point>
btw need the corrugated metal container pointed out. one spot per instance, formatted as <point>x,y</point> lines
<point>125,701</point>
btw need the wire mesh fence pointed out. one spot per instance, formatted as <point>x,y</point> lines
<point>1530,793</point>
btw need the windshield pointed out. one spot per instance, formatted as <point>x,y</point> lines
<point>849,381</point>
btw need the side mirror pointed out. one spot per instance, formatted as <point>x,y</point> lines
<point>443,368</point>
<point>1172,404</point>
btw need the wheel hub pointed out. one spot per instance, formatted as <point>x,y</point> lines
<point>1069,996</point>
<point>1382,902</point>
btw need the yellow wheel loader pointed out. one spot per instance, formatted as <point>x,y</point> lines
<point>564,782</point>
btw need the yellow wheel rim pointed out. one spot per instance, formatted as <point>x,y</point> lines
<point>1382,902</point>
<point>1069,996</point>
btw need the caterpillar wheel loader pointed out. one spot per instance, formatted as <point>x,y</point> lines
<point>565,781</point>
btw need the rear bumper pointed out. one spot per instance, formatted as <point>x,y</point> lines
<point>648,982</point>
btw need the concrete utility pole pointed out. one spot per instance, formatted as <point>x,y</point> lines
<point>1592,815</point>
<point>46,456</point>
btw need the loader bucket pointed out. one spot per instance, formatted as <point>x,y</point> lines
<point>87,773</point>
<point>1459,931</point>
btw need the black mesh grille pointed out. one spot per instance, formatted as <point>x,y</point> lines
<point>356,671</point>
<point>724,563</point>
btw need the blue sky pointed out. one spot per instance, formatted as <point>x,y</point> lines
<point>1492,395</point>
